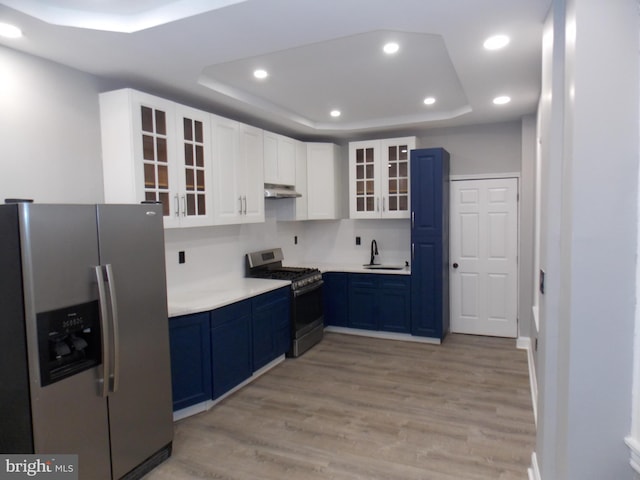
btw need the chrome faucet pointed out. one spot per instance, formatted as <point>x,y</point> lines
<point>374,251</point>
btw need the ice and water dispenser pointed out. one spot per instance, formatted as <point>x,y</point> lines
<point>68,341</point>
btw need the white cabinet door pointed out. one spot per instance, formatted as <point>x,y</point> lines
<point>149,154</point>
<point>194,167</point>
<point>238,169</point>
<point>323,182</point>
<point>379,178</point>
<point>394,175</point>
<point>228,202</point>
<point>286,161</point>
<point>279,159</point>
<point>301,203</point>
<point>270,157</point>
<point>364,179</point>
<point>251,176</point>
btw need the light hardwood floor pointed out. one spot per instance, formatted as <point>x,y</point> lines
<point>364,408</point>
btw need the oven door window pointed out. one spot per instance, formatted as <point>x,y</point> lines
<point>307,309</point>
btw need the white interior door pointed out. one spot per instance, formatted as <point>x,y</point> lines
<point>483,257</point>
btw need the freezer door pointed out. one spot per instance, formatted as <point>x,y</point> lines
<point>59,251</point>
<point>131,239</point>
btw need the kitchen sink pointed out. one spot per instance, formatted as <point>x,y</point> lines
<point>383,267</point>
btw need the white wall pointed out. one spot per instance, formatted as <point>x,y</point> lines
<point>49,131</point>
<point>50,151</point>
<point>589,155</point>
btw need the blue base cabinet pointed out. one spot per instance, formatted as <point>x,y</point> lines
<point>430,242</point>
<point>190,359</point>
<point>230,346</point>
<point>335,299</point>
<point>271,324</point>
<point>213,352</point>
<point>379,302</point>
<point>395,303</point>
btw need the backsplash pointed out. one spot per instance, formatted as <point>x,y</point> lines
<point>220,251</point>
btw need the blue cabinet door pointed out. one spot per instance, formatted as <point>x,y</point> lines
<point>430,242</point>
<point>336,299</point>
<point>363,303</point>
<point>379,302</point>
<point>271,332</point>
<point>394,303</point>
<point>190,359</point>
<point>230,346</point>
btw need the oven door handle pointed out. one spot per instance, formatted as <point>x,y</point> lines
<point>308,288</point>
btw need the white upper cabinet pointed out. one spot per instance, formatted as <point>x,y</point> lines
<point>156,150</point>
<point>237,171</point>
<point>324,182</point>
<point>279,159</point>
<point>251,154</point>
<point>379,178</point>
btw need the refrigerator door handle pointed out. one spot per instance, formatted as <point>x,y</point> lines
<point>114,377</point>
<point>104,326</point>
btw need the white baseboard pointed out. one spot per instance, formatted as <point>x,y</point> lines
<point>524,343</point>
<point>204,406</point>
<point>405,337</point>
<point>534,471</point>
<point>634,448</point>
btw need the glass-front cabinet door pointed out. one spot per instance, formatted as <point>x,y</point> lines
<point>155,157</point>
<point>395,188</point>
<point>195,183</point>
<point>366,180</point>
<point>379,178</point>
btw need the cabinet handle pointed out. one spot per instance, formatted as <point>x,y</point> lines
<point>245,204</point>
<point>240,200</point>
<point>413,219</point>
<point>176,204</point>
<point>413,251</point>
<point>115,329</point>
<point>104,325</point>
<point>184,205</point>
<point>377,204</point>
<point>383,203</point>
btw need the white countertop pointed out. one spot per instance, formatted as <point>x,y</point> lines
<point>215,293</point>
<point>359,268</point>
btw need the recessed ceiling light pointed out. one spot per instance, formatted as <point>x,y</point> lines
<point>391,48</point>
<point>335,113</point>
<point>10,31</point>
<point>496,42</point>
<point>501,100</point>
<point>260,73</point>
<point>429,101</point>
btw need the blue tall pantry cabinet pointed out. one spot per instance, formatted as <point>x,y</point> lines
<point>430,242</point>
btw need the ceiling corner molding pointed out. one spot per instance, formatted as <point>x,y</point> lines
<point>55,13</point>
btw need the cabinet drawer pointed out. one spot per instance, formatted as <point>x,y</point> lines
<point>230,313</point>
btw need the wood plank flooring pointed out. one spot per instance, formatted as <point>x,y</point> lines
<point>363,408</point>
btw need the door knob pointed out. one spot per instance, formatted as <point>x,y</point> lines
<point>455,265</point>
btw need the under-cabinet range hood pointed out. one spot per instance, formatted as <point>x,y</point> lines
<point>272,190</point>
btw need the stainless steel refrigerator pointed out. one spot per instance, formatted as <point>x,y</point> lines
<point>85,365</point>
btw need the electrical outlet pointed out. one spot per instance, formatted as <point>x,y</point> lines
<point>181,257</point>
<point>358,241</point>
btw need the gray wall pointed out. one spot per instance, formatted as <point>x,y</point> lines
<point>478,149</point>
<point>526,326</point>
<point>49,131</point>
<point>589,134</point>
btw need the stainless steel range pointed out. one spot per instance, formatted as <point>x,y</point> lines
<point>307,318</point>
